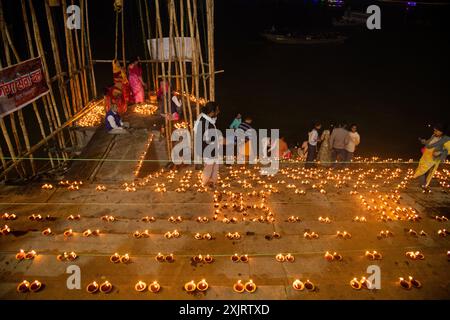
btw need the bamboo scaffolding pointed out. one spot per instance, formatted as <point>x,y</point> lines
<point>48,100</point>
<point>31,54</point>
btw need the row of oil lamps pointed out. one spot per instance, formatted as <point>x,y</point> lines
<point>5,230</point>
<point>202,285</point>
<point>125,258</point>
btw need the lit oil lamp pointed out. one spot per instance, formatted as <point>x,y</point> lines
<point>235,258</point>
<point>169,258</point>
<point>20,255</point>
<point>23,287</point>
<point>30,255</point>
<point>344,235</point>
<point>160,257</point>
<point>198,236</point>
<point>137,234</point>
<point>298,285</point>
<point>154,287</point>
<point>202,285</point>
<point>280,257</point>
<point>106,287</point>
<point>355,284</point>
<point>35,286</point>
<point>87,233</point>
<point>47,232</point>
<point>198,258</point>
<point>5,230</point>
<point>190,286</point>
<point>405,284</point>
<point>145,234</point>
<point>208,259</point>
<point>328,256</point>
<point>309,285</point>
<point>250,286</point>
<point>289,258</point>
<point>92,287</point>
<point>140,286</point>
<point>168,235</point>
<point>68,233</point>
<point>115,258</point>
<point>72,256</point>
<point>415,283</point>
<point>442,232</point>
<point>74,217</point>
<point>125,258</point>
<point>239,287</point>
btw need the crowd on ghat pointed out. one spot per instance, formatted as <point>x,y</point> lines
<point>332,147</point>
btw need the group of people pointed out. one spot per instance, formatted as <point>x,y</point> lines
<point>333,147</point>
<point>127,88</point>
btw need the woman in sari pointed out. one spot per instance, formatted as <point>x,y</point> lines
<point>136,82</point>
<point>121,90</point>
<point>325,149</point>
<point>435,151</point>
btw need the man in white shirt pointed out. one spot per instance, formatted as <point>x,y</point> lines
<point>113,123</point>
<point>351,141</point>
<point>313,139</point>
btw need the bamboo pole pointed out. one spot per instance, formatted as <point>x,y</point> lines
<point>124,60</point>
<point>155,70</point>
<point>195,61</point>
<point>210,19</point>
<point>149,29</point>
<point>81,59</point>
<point>91,65</point>
<point>182,63</point>
<point>200,53</point>
<point>158,21</point>
<point>144,39</point>
<point>73,62</point>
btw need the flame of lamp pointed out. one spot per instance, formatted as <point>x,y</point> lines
<point>202,285</point>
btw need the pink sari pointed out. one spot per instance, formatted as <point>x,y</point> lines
<point>135,79</point>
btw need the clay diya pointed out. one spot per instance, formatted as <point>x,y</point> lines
<point>250,286</point>
<point>20,255</point>
<point>298,285</point>
<point>125,258</point>
<point>47,232</point>
<point>140,286</point>
<point>35,286</point>
<point>190,286</point>
<point>106,287</point>
<point>92,287</point>
<point>208,259</point>
<point>355,284</point>
<point>154,287</point>
<point>309,285</point>
<point>202,285</point>
<point>30,255</point>
<point>23,287</point>
<point>239,287</point>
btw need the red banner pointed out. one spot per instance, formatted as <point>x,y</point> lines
<point>21,84</point>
